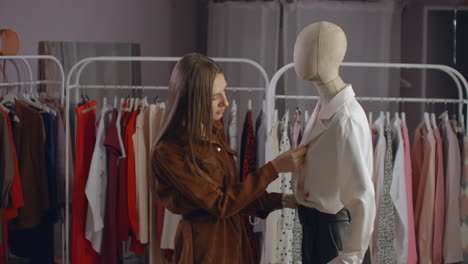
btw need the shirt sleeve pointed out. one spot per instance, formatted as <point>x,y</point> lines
<point>171,167</point>
<point>356,190</point>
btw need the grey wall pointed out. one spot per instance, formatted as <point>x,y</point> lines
<point>161,27</point>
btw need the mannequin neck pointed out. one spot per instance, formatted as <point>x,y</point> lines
<point>328,90</point>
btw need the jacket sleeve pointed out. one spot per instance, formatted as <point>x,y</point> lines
<point>170,167</point>
<point>263,205</point>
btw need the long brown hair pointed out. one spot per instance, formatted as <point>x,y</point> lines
<point>188,106</point>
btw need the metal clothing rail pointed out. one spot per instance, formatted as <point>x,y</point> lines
<point>454,74</point>
<point>31,82</point>
<point>75,84</point>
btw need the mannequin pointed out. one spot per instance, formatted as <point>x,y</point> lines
<point>318,53</point>
<point>334,190</point>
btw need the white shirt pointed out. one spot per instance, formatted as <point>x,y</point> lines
<point>270,241</point>
<point>285,227</point>
<point>378,177</point>
<point>96,186</point>
<point>398,194</point>
<point>338,170</point>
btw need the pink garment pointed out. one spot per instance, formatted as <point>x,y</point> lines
<point>464,196</point>
<point>439,203</point>
<point>412,252</point>
<point>452,249</point>
<point>424,170</point>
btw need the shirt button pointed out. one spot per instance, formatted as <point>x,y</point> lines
<point>218,149</point>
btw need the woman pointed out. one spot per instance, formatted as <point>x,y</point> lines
<point>196,175</point>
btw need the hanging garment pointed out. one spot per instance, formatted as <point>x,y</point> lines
<point>96,185</point>
<point>398,195</point>
<point>296,136</point>
<point>248,164</point>
<point>123,223</point>
<point>439,201</point>
<point>29,136</point>
<point>8,168</point>
<point>295,129</point>
<point>412,253</point>
<point>50,127</point>
<point>154,118</point>
<point>452,246</point>
<point>271,233</point>
<point>10,161</point>
<point>378,176</point>
<point>130,130</point>
<point>8,171</point>
<point>211,231</point>
<point>9,158</point>
<point>141,174</point>
<point>81,249</point>
<point>29,233</point>
<point>287,216</point>
<point>424,169</point>
<point>110,252</point>
<point>338,134</point>
<point>386,229</point>
<point>60,150</point>
<point>232,129</point>
<point>464,200</point>
<point>260,138</point>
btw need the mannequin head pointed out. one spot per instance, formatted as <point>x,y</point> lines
<point>318,53</point>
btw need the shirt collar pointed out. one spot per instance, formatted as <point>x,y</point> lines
<point>328,110</point>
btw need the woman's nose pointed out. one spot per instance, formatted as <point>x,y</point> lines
<point>225,101</point>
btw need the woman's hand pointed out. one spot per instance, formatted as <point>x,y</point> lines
<point>290,161</point>
<point>289,201</point>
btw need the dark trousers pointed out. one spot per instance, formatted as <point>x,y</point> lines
<point>322,234</point>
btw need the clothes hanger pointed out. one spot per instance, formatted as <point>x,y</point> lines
<point>433,117</point>
<point>137,104</point>
<point>403,115</point>
<point>444,116</point>
<point>143,103</point>
<point>427,122</point>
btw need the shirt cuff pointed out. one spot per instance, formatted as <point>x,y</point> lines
<point>348,258</point>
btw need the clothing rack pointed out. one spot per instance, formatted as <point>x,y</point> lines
<point>454,74</point>
<point>74,83</point>
<point>25,59</point>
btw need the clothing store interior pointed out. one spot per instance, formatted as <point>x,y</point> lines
<point>374,91</point>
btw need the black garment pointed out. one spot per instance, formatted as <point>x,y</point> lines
<point>50,126</point>
<point>322,234</point>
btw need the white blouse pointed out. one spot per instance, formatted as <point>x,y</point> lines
<point>338,170</point>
